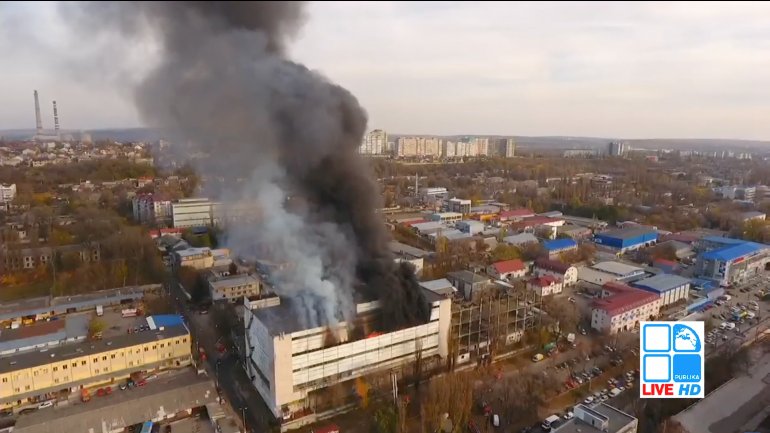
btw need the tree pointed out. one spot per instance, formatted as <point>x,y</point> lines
<point>452,394</point>
<point>95,327</point>
<point>563,312</point>
<point>505,252</point>
<point>232,268</point>
<point>386,420</point>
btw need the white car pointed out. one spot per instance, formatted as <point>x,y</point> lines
<point>568,416</point>
<point>730,325</point>
<point>588,400</point>
<point>45,404</point>
<point>723,325</point>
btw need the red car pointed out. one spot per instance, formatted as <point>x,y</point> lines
<point>100,392</point>
<point>141,383</point>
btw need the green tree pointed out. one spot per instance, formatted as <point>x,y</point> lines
<point>386,420</point>
<point>95,327</point>
<point>505,252</point>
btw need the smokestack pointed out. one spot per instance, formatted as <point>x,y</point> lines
<point>55,118</point>
<point>38,119</point>
<point>275,133</point>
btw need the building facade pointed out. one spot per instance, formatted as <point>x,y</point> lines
<point>670,288</point>
<point>192,212</point>
<point>374,143</point>
<point>567,273</point>
<point>7,194</point>
<point>149,209</point>
<point>459,205</point>
<point>628,239</point>
<point>620,308</point>
<point>507,269</point>
<point>233,288</point>
<point>545,286</point>
<point>728,261</point>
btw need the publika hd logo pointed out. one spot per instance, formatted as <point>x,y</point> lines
<point>671,359</point>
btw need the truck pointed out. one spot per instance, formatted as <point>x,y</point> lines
<point>129,312</point>
<point>99,310</point>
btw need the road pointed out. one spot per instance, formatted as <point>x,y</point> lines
<point>226,369</point>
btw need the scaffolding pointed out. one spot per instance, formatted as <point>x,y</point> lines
<point>491,325</point>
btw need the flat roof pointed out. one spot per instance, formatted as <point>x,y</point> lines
<point>627,233</point>
<point>166,395</point>
<point>559,244</point>
<point>441,286</point>
<point>235,280</point>
<point>520,238</point>
<point>32,331</point>
<point>22,305</point>
<point>468,276</point>
<point>662,282</point>
<point>76,350</point>
<point>190,252</point>
<point>617,268</point>
<point>399,248</point>
<point>616,420</point>
<point>733,252</point>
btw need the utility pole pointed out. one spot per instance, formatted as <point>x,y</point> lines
<point>243,414</point>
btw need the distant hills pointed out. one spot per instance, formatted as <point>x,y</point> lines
<point>522,142</point>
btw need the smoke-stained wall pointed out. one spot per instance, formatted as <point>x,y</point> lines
<point>272,129</point>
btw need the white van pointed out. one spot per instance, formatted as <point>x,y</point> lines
<point>99,310</point>
<point>495,420</point>
<point>615,392</point>
<point>549,422</point>
<point>730,325</point>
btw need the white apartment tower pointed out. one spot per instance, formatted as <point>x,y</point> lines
<point>374,143</point>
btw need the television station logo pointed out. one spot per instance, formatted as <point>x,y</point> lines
<point>671,359</point>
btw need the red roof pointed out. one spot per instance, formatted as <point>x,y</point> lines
<point>544,281</point>
<point>507,266</point>
<point>624,298</point>
<point>516,213</point>
<point>539,220</point>
<point>552,265</point>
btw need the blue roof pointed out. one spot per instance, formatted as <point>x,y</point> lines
<point>661,283</point>
<point>167,320</point>
<point>734,251</point>
<point>724,240</point>
<point>559,244</point>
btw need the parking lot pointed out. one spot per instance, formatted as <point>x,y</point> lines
<point>746,302</point>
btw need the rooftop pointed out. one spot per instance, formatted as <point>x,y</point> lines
<point>521,238</point>
<point>468,277</point>
<point>623,298</point>
<point>32,331</point>
<point>559,244</point>
<point>544,281</point>
<point>627,233</point>
<point>521,213</point>
<point>617,268</point>
<point>734,251</point>
<point>616,420</point>
<point>552,265</point>
<point>441,286</point>
<point>507,266</point>
<point>399,248</point>
<point>234,280</point>
<point>192,252</point>
<point>662,282</point>
<point>76,350</point>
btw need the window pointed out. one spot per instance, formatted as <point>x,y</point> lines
<point>184,340</point>
<point>130,363</point>
<point>104,358</point>
<point>96,360</point>
<point>56,380</point>
<point>74,364</point>
<point>145,349</point>
<point>26,388</point>
<point>82,363</point>
<point>112,356</point>
<point>154,346</point>
<point>56,369</point>
<point>64,367</point>
<point>34,373</point>
<point>5,380</point>
<point>96,370</point>
<point>16,390</point>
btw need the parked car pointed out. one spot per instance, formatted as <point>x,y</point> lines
<point>45,404</point>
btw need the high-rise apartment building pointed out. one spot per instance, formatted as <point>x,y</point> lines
<point>618,148</point>
<point>374,143</point>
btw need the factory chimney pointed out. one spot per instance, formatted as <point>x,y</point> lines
<point>55,118</point>
<point>38,120</point>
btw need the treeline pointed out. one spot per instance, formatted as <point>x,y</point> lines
<point>43,179</point>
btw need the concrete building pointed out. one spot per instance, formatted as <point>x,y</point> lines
<point>601,418</point>
<point>670,288</point>
<point>605,272</point>
<point>233,288</point>
<point>192,212</point>
<point>374,143</point>
<point>520,239</point>
<point>198,258</point>
<point>469,283</point>
<point>7,194</point>
<point>502,147</point>
<point>617,148</point>
<point>472,227</point>
<point>441,287</point>
<point>621,308</point>
<point>151,209</point>
<point>728,261</point>
<point>433,195</point>
<point>559,246</point>
<point>446,217</point>
<point>289,363</point>
<point>568,274</point>
<point>545,286</point>
<point>33,257</point>
<point>67,368</point>
<point>628,239</point>
<point>459,205</point>
<point>507,269</point>
<point>733,192</point>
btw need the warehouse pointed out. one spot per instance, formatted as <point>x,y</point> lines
<point>670,288</point>
<point>559,246</point>
<point>628,239</point>
<point>729,261</point>
<point>605,272</point>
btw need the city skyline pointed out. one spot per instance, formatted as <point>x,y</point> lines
<point>625,70</point>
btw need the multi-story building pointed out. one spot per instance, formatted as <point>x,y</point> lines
<point>601,418</point>
<point>502,147</point>
<point>670,288</point>
<point>406,146</point>
<point>559,246</point>
<point>545,286</point>
<point>289,361</point>
<point>67,368</point>
<point>446,217</point>
<point>192,212</point>
<point>197,258</point>
<point>7,194</point>
<point>151,209</point>
<point>374,143</point>
<point>618,148</point>
<point>232,288</point>
<point>459,205</point>
<point>568,274</point>
<point>449,149</point>
<point>728,261</point>
<point>621,308</point>
<point>432,195</point>
<point>734,192</point>
<point>30,258</point>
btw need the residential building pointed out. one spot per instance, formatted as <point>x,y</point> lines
<point>733,192</point>
<point>601,418</point>
<point>192,212</point>
<point>448,149</point>
<point>502,147</point>
<point>728,261</point>
<point>618,148</point>
<point>151,209</point>
<point>507,269</point>
<point>670,288</point>
<point>7,194</point>
<point>470,284</point>
<point>14,259</point>
<point>374,143</point>
<point>459,205</point>
<point>64,369</point>
<point>559,246</point>
<point>288,361</point>
<point>520,239</point>
<point>568,274</point>
<point>198,258</point>
<point>627,239</point>
<point>605,272</point>
<point>233,288</point>
<point>621,308</point>
<point>418,147</point>
<point>545,286</point>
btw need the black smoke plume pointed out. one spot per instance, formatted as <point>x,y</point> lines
<point>273,131</point>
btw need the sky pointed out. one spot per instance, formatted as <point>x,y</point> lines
<point>625,70</point>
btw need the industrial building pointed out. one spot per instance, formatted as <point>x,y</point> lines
<point>446,217</point>
<point>67,368</point>
<point>290,363</point>
<point>621,308</point>
<point>470,284</point>
<point>601,418</point>
<point>520,239</point>
<point>515,215</point>
<point>459,205</point>
<point>201,258</point>
<point>472,227</point>
<point>627,239</point>
<point>192,212</point>
<point>670,288</point>
<point>233,288</point>
<point>604,272</point>
<point>568,274</point>
<point>559,246</point>
<point>728,261</point>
